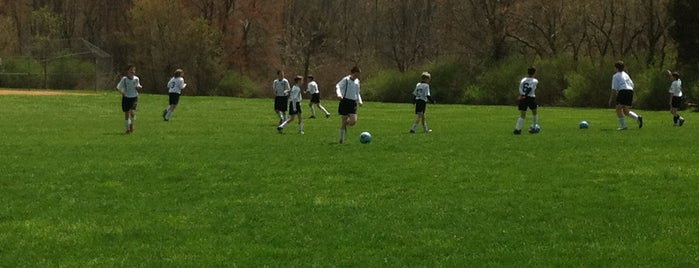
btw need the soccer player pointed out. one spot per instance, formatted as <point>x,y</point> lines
<point>675,97</point>
<point>422,96</point>
<point>527,99</point>
<point>128,88</point>
<point>622,89</point>
<point>294,106</point>
<point>347,90</point>
<point>174,89</point>
<point>281,89</point>
<point>312,88</point>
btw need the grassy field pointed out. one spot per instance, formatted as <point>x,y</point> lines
<point>218,186</point>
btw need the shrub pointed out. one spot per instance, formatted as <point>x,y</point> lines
<point>21,73</point>
<point>236,85</point>
<point>68,73</point>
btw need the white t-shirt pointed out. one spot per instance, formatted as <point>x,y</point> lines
<point>312,87</point>
<point>527,86</point>
<point>280,86</point>
<point>176,85</point>
<point>129,86</point>
<point>348,89</point>
<point>295,95</point>
<point>422,90</point>
<point>621,81</point>
<point>676,88</point>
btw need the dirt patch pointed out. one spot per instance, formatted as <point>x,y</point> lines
<point>41,92</point>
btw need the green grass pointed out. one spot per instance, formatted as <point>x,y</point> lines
<point>217,186</point>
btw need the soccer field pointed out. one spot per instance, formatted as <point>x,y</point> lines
<point>218,186</point>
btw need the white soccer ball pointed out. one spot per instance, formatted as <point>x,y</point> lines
<point>584,125</point>
<point>365,137</point>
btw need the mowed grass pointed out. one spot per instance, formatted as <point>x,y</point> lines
<point>218,186</point>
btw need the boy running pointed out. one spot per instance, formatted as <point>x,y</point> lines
<point>312,88</point>
<point>294,106</point>
<point>128,88</point>
<point>174,89</point>
<point>527,99</point>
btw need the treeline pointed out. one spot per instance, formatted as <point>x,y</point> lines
<point>476,49</point>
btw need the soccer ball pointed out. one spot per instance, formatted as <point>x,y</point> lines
<point>365,137</point>
<point>534,129</point>
<point>584,125</point>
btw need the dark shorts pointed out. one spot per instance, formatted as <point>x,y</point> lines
<point>420,106</point>
<point>676,102</point>
<point>280,103</point>
<point>347,107</point>
<point>294,111</point>
<point>315,98</point>
<point>128,104</point>
<point>624,97</point>
<point>174,98</point>
<point>527,102</point>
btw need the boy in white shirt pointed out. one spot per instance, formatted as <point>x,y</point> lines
<point>128,87</point>
<point>347,91</point>
<point>174,89</point>
<point>675,97</point>
<point>422,96</point>
<point>622,89</point>
<point>312,88</point>
<point>294,106</point>
<point>527,99</point>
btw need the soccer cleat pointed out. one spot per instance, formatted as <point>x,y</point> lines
<point>131,128</point>
<point>341,141</point>
<point>412,131</point>
<point>327,115</point>
<point>312,117</point>
<point>301,133</point>
<point>164,114</point>
<point>280,129</point>
<point>640,121</point>
<point>622,128</point>
<point>517,132</point>
<point>681,121</point>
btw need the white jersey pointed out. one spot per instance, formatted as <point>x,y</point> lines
<point>348,89</point>
<point>312,87</point>
<point>621,81</point>
<point>676,88</point>
<point>176,85</point>
<point>527,86</point>
<point>279,86</point>
<point>422,91</point>
<point>295,95</point>
<point>129,86</point>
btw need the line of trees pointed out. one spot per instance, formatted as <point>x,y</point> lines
<point>234,47</point>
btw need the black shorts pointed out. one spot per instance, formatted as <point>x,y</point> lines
<point>315,98</point>
<point>420,106</point>
<point>294,111</point>
<point>347,107</point>
<point>527,102</point>
<point>174,98</point>
<point>624,97</point>
<point>676,102</point>
<point>280,103</point>
<point>128,104</point>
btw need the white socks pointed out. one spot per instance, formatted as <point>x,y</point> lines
<point>520,122</point>
<point>633,115</point>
